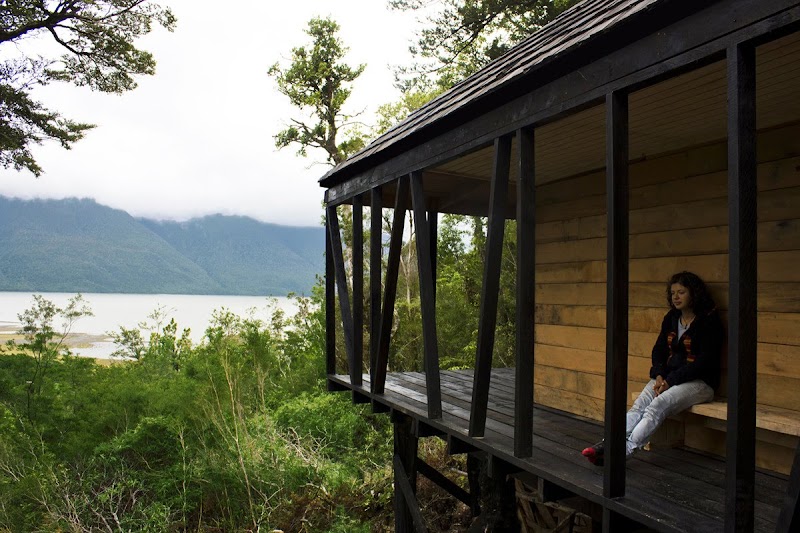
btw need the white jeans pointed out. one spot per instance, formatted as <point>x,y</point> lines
<point>649,410</point>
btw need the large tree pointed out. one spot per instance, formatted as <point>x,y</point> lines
<point>93,43</point>
<point>461,36</point>
<point>318,82</point>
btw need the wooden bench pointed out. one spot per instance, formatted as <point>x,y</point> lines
<point>777,432</point>
<point>769,418</point>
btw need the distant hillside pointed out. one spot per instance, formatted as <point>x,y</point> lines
<point>78,245</point>
<point>247,256</point>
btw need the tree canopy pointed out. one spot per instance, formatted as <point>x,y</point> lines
<point>462,36</point>
<point>318,82</point>
<point>96,39</point>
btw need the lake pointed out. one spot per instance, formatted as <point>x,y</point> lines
<point>114,310</point>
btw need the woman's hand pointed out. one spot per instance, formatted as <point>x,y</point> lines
<point>659,382</point>
<point>661,385</point>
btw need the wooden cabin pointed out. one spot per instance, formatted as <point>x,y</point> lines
<point>629,139</point>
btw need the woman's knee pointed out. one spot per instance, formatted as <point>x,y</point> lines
<point>659,408</point>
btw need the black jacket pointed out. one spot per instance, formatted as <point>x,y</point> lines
<point>696,355</point>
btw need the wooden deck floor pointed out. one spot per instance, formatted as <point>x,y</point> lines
<point>667,489</point>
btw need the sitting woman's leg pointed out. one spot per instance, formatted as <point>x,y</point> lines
<point>595,453</point>
<point>639,406</point>
<point>670,402</point>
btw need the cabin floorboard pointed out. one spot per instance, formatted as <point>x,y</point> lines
<point>668,490</point>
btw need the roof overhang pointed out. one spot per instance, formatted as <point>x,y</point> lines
<point>577,79</point>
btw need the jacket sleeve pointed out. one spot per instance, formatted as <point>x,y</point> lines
<point>660,351</point>
<point>706,348</point>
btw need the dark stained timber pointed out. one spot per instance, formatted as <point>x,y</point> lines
<point>427,295</point>
<point>789,519</point>
<point>433,231</point>
<point>526,284</point>
<point>407,515</point>
<point>390,290</point>
<point>409,499</point>
<point>498,199</point>
<point>330,305</point>
<point>445,483</point>
<point>617,292</point>
<point>357,367</point>
<point>375,257</point>
<point>742,317</point>
<point>335,236</point>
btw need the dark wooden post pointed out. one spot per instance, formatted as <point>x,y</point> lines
<point>616,292</point>
<point>405,474</point>
<point>375,256</point>
<point>335,236</point>
<point>742,315</point>
<point>358,291</point>
<point>498,496</point>
<point>330,306</point>
<point>390,289</point>
<point>498,198</point>
<point>433,231</point>
<point>526,293</point>
<point>427,302</point>
<point>789,519</point>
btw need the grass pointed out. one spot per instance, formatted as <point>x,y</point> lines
<point>9,336</point>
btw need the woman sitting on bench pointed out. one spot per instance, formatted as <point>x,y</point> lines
<point>685,367</point>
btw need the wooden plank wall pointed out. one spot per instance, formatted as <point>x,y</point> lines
<point>678,222</point>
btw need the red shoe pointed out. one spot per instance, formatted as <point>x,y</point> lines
<point>595,453</point>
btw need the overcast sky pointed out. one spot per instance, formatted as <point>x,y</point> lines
<point>197,138</point>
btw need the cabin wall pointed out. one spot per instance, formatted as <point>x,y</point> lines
<point>678,221</point>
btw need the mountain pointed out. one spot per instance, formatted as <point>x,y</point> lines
<point>246,256</point>
<point>79,245</point>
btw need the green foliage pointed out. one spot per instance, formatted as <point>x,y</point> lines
<point>236,434</point>
<point>464,35</point>
<point>317,82</point>
<point>45,344</point>
<point>24,121</point>
<point>97,40</point>
<point>331,424</point>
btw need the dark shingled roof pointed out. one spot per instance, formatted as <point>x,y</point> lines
<point>576,28</point>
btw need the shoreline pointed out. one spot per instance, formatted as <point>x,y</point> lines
<point>77,342</point>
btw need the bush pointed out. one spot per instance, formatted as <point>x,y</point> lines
<point>334,424</point>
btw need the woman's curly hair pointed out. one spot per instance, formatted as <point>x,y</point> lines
<point>702,302</point>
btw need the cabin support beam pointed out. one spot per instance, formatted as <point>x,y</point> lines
<point>427,294</point>
<point>335,236</point>
<point>433,232</point>
<point>617,293</point>
<point>789,519</point>
<point>526,285</point>
<point>742,316</point>
<point>357,369</point>
<point>407,517</point>
<point>498,496</point>
<point>390,290</point>
<point>490,289</point>
<point>330,306</point>
<point>375,257</point>
<point>443,482</point>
